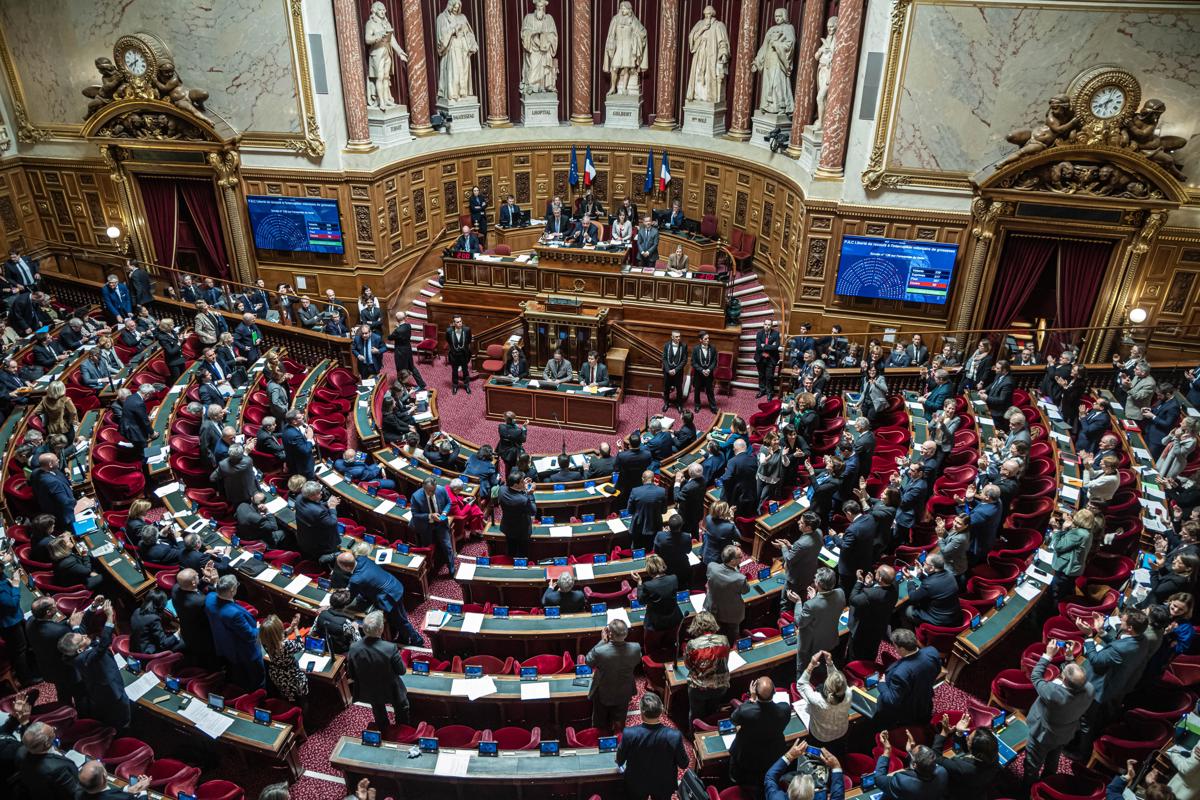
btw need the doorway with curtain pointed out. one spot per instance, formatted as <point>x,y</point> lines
<point>184,222</point>
<point>1043,283</point>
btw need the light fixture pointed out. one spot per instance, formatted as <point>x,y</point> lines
<point>113,232</point>
<point>1137,315</point>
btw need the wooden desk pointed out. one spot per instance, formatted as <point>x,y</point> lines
<point>566,404</point>
<point>591,259</point>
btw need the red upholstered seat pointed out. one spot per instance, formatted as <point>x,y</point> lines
<point>460,736</point>
<point>513,737</point>
<point>427,347</point>
<point>551,664</point>
<point>219,790</point>
<point>494,362</point>
<point>491,665</point>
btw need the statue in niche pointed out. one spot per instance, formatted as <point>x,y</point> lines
<point>170,87</point>
<point>824,59</point>
<point>102,93</point>
<point>456,44</point>
<point>625,52</point>
<point>708,43</point>
<point>1061,123</point>
<point>774,61</point>
<point>380,37</point>
<point>539,45</point>
<point>1142,130</point>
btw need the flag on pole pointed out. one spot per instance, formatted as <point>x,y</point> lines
<point>664,174</point>
<point>573,178</point>
<point>648,184</point>
<point>589,169</point>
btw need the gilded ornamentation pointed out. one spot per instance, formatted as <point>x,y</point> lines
<point>1098,180</point>
<point>362,222</point>
<point>985,214</point>
<point>226,166</point>
<point>1150,228</point>
<point>142,68</point>
<point>149,126</point>
<point>876,229</point>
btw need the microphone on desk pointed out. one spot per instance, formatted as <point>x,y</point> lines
<point>646,407</point>
<point>563,432</point>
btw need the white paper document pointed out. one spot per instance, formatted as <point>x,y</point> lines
<point>735,660</point>
<point>1028,591</point>
<point>213,723</point>
<point>728,739</point>
<point>267,575</point>
<point>385,506</point>
<point>320,663</point>
<point>560,530</point>
<point>618,613</point>
<point>143,684</point>
<point>170,488</point>
<point>617,525</point>
<point>692,558</point>
<point>472,622</point>
<point>416,561</point>
<point>466,571</point>
<point>452,763</point>
<point>435,618</point>
<point>697,601</point>
<point>801,709</point>
<point>480,687</point>
<point>535,690</point>
<point>297,583</point>
<point>275,505</point>
<point>584,572</point>
<point>245,555</point>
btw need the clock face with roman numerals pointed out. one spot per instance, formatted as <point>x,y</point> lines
<point>1107,101</point>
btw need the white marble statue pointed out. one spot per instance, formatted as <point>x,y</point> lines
<point>824,59</point>
<point>539,43</point>
<point>380,37</point>
<point>774,61</point>
<point>625,52</point>
<point>456,44</point>
<point>709,45</point>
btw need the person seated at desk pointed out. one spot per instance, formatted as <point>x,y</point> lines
<point>558,224</point>
<point>468,242</point>
<point>566,473</point>
<point>482,465</point>
<point>601,465</point>
<point>622,229</point>
<point>336,326</point>
<point>562,593</point>
<point>674,218</point>
<point>359,471</point>
<point>659,442</point>
<point>510,213</point>
<point>586,233</point>
<point>442,452</point>
<point>630,209</point>
<point>593,373</point>
<point>647,242</point>
<point>515,366</point>
<point>557,368</point>
<point>678,260</point>
<point>158,549</point>
<point>256,524</point>
<point>589,206</point>
<point>686,433</point>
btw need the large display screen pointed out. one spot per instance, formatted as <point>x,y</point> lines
<point>298,224</point>
<point>895,269</point>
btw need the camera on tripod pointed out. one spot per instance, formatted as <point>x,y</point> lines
<point>777,139</point>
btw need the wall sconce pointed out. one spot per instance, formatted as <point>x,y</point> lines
<point>114,235</point>
<point>1137,315</point>
<point>1133,317</point>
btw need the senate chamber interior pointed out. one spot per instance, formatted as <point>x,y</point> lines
<point>599,399</point>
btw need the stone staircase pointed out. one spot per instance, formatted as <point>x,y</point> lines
<point>756,308</point>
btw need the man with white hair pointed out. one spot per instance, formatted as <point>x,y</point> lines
<point>135,423</point>
<point>43,771</point>
<point>235,634</point>
<point>375,668</point>
<point>468,242</point>
<point>93,779</point>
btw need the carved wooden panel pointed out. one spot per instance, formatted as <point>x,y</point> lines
<point>710,198</point>
<point>522,194</point>
<point>419,206</point>
<point>450,195</point>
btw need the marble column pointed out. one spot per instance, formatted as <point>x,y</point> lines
<point>668,64</point>
<point>581,63</point>
<point>806,73</point>
<point>497,82</point>
<point>743,78</point>
<point>352,71</point>
<point>418,70</point>
<point>843,74</point>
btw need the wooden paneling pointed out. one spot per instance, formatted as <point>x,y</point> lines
<point>68,202</point>
<point>1168,285</point>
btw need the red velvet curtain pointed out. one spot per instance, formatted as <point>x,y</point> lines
<point>206,216</point>
<point>162,215</point>
<point>1021,265</point>
<point>1081,268</point>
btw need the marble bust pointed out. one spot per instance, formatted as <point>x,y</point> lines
<point>625,52</point>
<point>774,61</point>
<point>539,46</point>
<point>380,37</point>
<point>708,43</point>
<point>456,44</point>
<point>824,59</point>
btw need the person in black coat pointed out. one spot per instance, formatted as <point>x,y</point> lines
<point>43,773</point>
<point>459,351</point>
<point>93,780</point>
<point>656,589</point>
<point>141,286</point>
<point>628,467</point>
<point>998,394</point>
<point>209,393</point>
<point>479,205</point>
<point>248,338</point>
<point>740,487</point>
<point>674,358</point>
<point>402,353</point>
<point>172,350</point>
<point>376,668</point>
<point>674,545</point>
<point>906,688</point>
<point>562,593</point>
<point>43,630</point>
<point>73,567</point>
<point>187,597</point>
<point>335,623</point>
<point>47,353</point>
<point>645,506</point>
<point>146,631</point>
<point>759,740</point>
<point>872,601</point>
<point>135,422</point>
<point>97,669</point>
<point>601,466</point>
<point>512,438</point>
<point>517,511</point>
<point>163,551</point>
<point>256,524</point>
<point>935,599</point>
<point>651,754</point>
<point>317,525</point>
<point>856,545</point>
<point>52,491</point>
<point>689,497</point>
<point>267,440</point>
<point>973,771</point>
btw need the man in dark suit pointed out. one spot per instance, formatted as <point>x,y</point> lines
<point>467,242</point>
<point>21,271</point>
<point>674,357</point>
<point>27,312</point>
<point>674,218</point>
<point>157,548</point>
<point>266,439</point>
<point>248,338</point>
<point>629,466</point>
<point>651,753</point>
<point>367,347</point>
<point>740,488</point>
<point>297,446</point>
<point>1093,423</point>
<point>1160,418</point>
<point>52,491</point>
<point>510,213</point>
<point>317,525</point>
<point>458,342</point>
<point>934,599</point>
<point>986,517</point>
<point>235,634</point>
<point>660,442</point>
<point>401,339</point>
<point>925,778</point>
<point>872,601</point>
<point>766,357</point>
<point>914,489</point>
<point>856,545</point>
<point>376,668</point>
<point>374,586</point>
<point>430,519</point>
<point>704,367</point>
<point>1054,716</point>
<point>235,476</point>
<point>864,446</point>
<point>187,596</point>
<point>43,630</point>
<point>613,662</point>
<point>1113,661</point>
<point>906,688</point>
<point>999,394</point>
<point>209,394</point>
<point>517,512</point>
<point>593,373</point>
<point>586,232</point>
<point>602,464</point>
<point>759,739</point>
<point>135,424</point>
<point>93,780</point>
<point>566,473</point>
<point>511,440</point>
<point>689,497</point>
<point>114,296</point>
<point>42,772</point>
<point>562,594</point>
<point>645,506</point>
<point>256,524</point>
<point>674,545</point>
<point>97,669</point>
<point>47,353</point>
<point>558,223</point>
<point>141,286</point>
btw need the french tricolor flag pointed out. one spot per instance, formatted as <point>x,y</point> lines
<point>589,169</point>
<point>664,173</point>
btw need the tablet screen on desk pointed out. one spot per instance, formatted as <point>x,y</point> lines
<point>372,738</point>
<point>216,702</point>
<point>314,645</point>
<point>420,667</point>
<point>529,673</point>
<point>599,608</point>
<point>489,749</point>
<point>428,744</point>
<point>548,748</point>
<point>724,726</point>
<point>473,671</point>
<point>608,744</point>
<point>552,612</point>
<point>262,716</point>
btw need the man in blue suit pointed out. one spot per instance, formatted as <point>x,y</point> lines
<point>1092,425</point>
<point>661,443</point>
<point>1161,418</point>
<point>837,786</point>
<point>925,779</point>
<point>116,299</point>
<point>906,688</point>
<point>368,351</point>
<point>646,505</point>
<point>361,471</point>
<point>740,485</point>
<point>375,586</point>
<point>297,446</point>
<point>248,337</point>
<point>800,344</point>
<point>1114,662</point>
<point>913,491</point>
<point>630,463</point>
<point>935,599</point>
<point>651,754</point>
<point>430,519</point>
<point>856,545</point>
<point>235,634</point>
<point>317,533</point>
<point>52,491</point>
<point>986,515</point>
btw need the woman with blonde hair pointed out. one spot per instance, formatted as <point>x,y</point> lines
<point>707,660</point>
<point>58,413</point>
<point>281,651</point>
<point>1177,448</point>
<point>109,356</point>
<point>719,531</point>
<point>135,520</point>
<point>828,708</point>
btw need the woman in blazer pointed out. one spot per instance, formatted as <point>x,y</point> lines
<point>515,366</point>
<point>656,590</point>
<point>369,312</point>
<point>71,567</point>
<point>172,350</point>
<point>945,424</point>
<point>719,531</point>
<point>874,391</point>
<point>1177,448</point>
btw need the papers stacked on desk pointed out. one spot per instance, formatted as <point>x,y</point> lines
<point>136,690</point>
<point>452,763</point>
<point>466,571</point>
<point>617,525</point>
<point>207,721</point>
<point>584,572</point>
<point>472,622</point>
<point>535,690</point>
<point>472,688</point>
<point>297,583</point>
<point>275,505</point>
